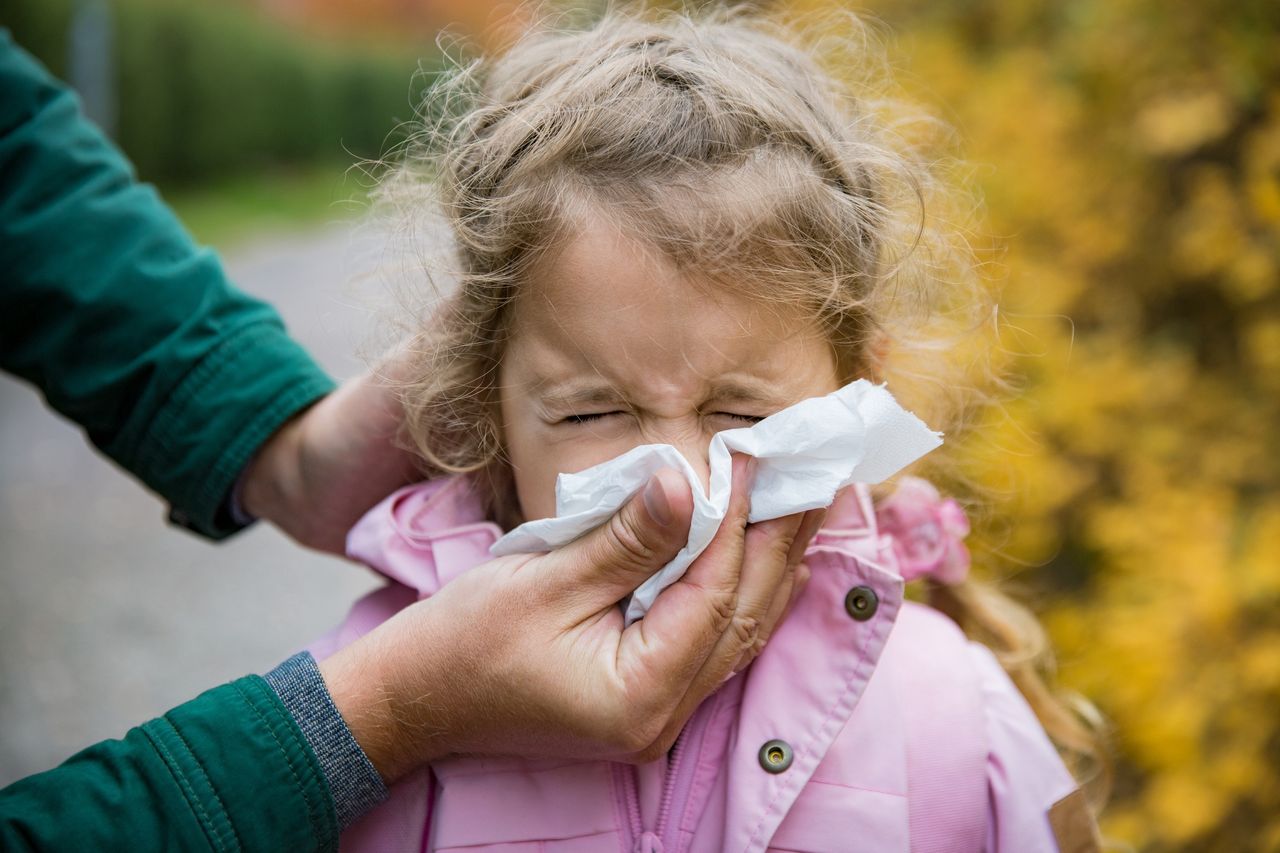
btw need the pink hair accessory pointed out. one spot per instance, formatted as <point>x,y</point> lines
<point>927,532</point>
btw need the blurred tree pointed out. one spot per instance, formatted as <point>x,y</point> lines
<point>1129,151</point>
<point>489,23</point>
<point>206,90</point>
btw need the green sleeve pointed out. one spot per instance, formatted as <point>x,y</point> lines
<point>129,328</point>
<point>229,770</point>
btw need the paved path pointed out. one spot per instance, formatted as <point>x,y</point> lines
<point>107,615</point>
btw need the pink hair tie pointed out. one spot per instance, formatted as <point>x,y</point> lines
<point>927,532</point>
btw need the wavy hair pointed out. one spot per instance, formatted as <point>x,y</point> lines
<point>720,141</point>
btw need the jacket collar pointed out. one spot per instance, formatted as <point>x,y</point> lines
<point>425,535</point>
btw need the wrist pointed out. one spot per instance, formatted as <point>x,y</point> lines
<point>354,783</point>
<point>267,481</point>
<point>399,726</point>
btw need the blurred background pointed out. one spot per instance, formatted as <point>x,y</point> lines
<point>1128,155</point>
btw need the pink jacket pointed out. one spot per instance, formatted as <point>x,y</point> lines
<point>868,723</point>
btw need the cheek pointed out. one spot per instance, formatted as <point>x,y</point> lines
<point>533,472</point>
<point>538,452</point>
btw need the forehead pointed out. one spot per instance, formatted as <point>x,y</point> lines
<point>613,307</point>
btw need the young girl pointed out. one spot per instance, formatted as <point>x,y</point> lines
<point>667,228</point>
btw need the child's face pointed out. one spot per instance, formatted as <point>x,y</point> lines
<point>611,347</point>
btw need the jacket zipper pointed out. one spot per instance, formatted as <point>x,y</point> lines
<point>671,783</point>
<point>675,788</point>
<point>626,775</point>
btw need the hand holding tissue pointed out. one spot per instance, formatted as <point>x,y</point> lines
<point>806,453</point>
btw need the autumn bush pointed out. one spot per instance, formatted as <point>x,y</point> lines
<point>1128,156</point>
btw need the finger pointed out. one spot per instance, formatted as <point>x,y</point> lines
<point>663,652</point>
<point>607,564</point>
<point>719,565</point>
<point>766,585</point>
<point>784,595</point>
<point>797,581</point>
<point>772,618</point>
<point>765,566</point>
<point>813,521</point>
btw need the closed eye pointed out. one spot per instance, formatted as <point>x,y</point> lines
<point>750,419</point>
<point>588,417</point>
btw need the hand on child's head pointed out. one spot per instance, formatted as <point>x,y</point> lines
<point>611,346</point>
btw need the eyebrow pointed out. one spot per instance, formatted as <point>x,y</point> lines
<point>562,396</point>
<point>748,392</point>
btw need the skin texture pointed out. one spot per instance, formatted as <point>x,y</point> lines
<point>612,347</point>
<point>527,655</point>
<point>321,471</point>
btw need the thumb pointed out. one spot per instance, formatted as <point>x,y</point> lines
<point>607,564</point>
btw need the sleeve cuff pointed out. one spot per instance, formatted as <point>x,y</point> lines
<point>353,781</point>
<point>219,417</point>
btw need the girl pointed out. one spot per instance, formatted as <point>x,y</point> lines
<point>667,228</point>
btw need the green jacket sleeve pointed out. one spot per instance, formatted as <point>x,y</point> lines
<point>128,327</point>
<point>227,771</point>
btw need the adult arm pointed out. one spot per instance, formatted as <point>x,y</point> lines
<point>229,770</point>
<point>542,664</point>
<point>524,655</point>
<point>133,332</point>
<point>129,328</point>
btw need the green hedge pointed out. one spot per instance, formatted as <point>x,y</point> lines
<point>206,89</point>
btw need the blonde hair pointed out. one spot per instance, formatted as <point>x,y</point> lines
<point>721,143</point>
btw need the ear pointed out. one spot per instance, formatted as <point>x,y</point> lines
<point>876,354</point>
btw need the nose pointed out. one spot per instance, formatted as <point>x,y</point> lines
<point>692,443</point>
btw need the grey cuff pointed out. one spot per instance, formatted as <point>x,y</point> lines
<point>354,783</point>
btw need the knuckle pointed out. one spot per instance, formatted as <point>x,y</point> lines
<point>626,539</point>
<point>785,541</point>
<point>724,606</point>
<point>746,631</point>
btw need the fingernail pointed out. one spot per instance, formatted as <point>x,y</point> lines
<point>752,464</point>
<point>655,501</point>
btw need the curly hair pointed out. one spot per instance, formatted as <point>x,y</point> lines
<point>721,142</point>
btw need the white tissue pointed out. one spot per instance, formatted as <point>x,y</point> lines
<point>806,454</point>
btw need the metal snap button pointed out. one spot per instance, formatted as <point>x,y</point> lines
<point>776,756</point>
<point>861,603</point>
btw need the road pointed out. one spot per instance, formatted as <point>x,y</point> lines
<point>108,616</point>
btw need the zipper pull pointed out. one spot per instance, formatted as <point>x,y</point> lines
<point>649,842</point>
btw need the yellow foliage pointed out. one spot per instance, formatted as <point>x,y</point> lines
<point>1128,154</point>
<point>1183,122</point>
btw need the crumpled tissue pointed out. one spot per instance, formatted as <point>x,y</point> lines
<point>806,452</point>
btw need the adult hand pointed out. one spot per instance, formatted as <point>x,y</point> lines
<point>527,655</point>
<point>326,467</point>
